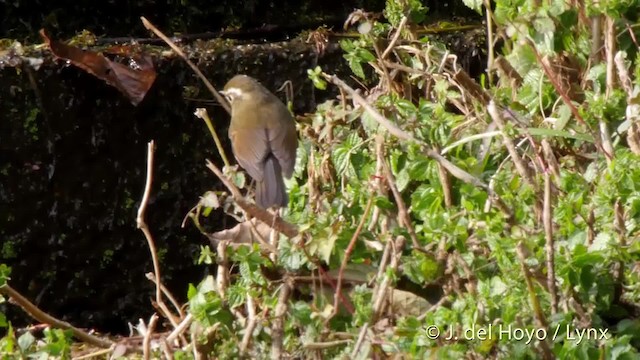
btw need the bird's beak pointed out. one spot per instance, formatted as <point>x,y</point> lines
<point>226,95</point>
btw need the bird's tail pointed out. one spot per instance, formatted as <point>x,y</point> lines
<point>270,191</point>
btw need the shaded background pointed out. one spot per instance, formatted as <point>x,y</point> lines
<point>73,149</point>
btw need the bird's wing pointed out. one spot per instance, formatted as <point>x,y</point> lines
<point>250,147</point>
<point>283,142</point>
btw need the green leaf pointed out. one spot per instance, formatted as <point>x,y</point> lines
<point>475,5</point>
<point>316,77</point>
<point>206,255</point>
<point>5,272</point>
<point>25,341</point>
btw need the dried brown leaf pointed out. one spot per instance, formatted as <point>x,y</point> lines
<point>134,83</point>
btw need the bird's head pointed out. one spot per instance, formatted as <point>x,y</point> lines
<point>241,87</point>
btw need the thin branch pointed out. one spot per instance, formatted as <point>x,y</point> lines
<point>255,211</point>
<point>505,67</point>
<point>204,115</point>
<point>168,354</point>
<point>45,318</point>
<point>547,218</point>
<point>403,213</point>
<point>167,293</point>
<point>325,345</point>
<point>252,321</point>
<point>347,254</point>
<point>277,329</point>
<point>94,355</point>
<point>567,100</point>
<point>222,276</point>
<point>541,322</point>
<point>610,51</point>
<point>383,287</point>
<point>193,66</point>
<point>146,343</point>
<point>361,337</point>
<point>490,40</point>
<point>403,135</point>
<point>471,86</point>
<point>386,123</point>
<point>395,38</point>
<point>178,330</point>
<point>142,225</point>
<point>511,148</point>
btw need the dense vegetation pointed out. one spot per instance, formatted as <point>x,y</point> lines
<point>428,204</point>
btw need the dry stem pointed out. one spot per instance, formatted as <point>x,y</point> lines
<point>146,343</point>
<point>45,318</point>
<point>193,66</point>
<point>142,225</point>
<point>547,218</point>
<point>276,222</point>
<point>541,322</point>
<point>277,329</point>
<point>347,254</point>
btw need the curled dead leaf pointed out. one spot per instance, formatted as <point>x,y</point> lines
<point>133,80</point>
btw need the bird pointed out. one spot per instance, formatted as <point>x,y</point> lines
<point>263,138</point>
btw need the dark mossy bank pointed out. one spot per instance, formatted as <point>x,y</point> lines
<point>73,149</point>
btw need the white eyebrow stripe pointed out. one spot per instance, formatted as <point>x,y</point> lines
<point>233,92</point>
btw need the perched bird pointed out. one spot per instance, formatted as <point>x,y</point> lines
<point>263,138</point>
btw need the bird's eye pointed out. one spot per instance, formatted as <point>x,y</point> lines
<point>227,96</point>
<point>232,94</point>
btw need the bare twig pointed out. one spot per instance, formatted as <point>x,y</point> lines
<point>193,66</point>
<point>399,133</point>
<point>361,337</point>
<point>142,225</point>
<point>511,148</point>
<point>403,213</point>
<point>596,39</point>
<point>146,343</point>
<point>222,276</point>
<point>505,67</point>
<point>252,321</point>
<point>623,73</point>
<point>547,218</point>
<point>277,329</point>
<point>347,254</point>
<point>43,317</point>
<point>204,115</point>
<point>403,135</point>
<point>386,123</point>
<point>168,294</point>
<point>567,100</point>
<point>471,86</point>
<point>395,38</point>
<point>610,51</point>
<point>168,354</point>
<point>259,213</point>
<point>325,345</point>
<point>382,290</point>
<point>178,330</point>
<point>490,39</point>
<point>541,322</point>
<point>93,355</point>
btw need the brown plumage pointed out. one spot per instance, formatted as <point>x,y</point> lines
<point>263,137</point>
